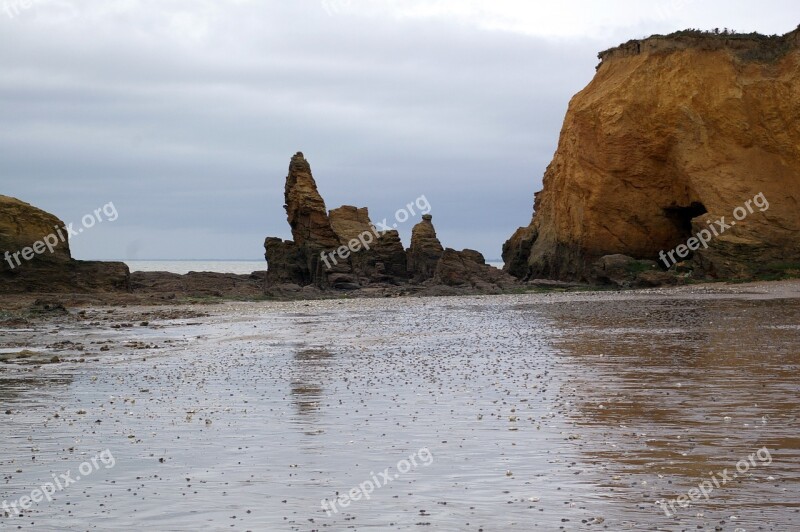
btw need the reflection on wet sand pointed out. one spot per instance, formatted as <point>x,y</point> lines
<point>544,412</point>
<point>13,387</point>
<point>310,366</point>
<point>677,390</point>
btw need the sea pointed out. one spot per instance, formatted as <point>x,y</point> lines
<point>220,266</point>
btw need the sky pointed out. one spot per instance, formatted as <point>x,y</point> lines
<point>184,114</point>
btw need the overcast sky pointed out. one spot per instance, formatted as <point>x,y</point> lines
<point>185,113</point>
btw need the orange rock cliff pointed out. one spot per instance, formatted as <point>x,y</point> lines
<point>673,134</point>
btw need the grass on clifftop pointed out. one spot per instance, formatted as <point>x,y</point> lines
<point>770,47</point>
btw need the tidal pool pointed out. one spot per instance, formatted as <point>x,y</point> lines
<point>536,411</point>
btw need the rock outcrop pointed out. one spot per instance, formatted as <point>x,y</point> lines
<point>673,134</point>
<point>468,268</point>
<point>425,250</point>
<point>170,286</point>
<point>298,260</point>
<point>26,230</point>
<point>313,258</point>
<point>627,272</point>
<point>343,250</point>
<point>384,261</point>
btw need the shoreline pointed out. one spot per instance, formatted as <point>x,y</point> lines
<point>13,304</point>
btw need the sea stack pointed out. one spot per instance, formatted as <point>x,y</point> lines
<point>341,249</point>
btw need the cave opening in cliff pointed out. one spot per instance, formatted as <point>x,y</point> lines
<point>681,218</point>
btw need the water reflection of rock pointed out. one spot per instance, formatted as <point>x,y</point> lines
<point>16,391</point>
<point>310,366</point>
<point>679,361</point>
<point>662,392</point>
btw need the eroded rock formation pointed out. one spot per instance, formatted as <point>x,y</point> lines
<point>305,208</point>
<point>23,231</point>
<point>384,261</point>
<point>673,134</point>
<point>469,268</point>
<point>312,257</point>
<point>342,249</point>
<point>425,250</point>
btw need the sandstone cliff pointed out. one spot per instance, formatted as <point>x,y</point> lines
<point>21,226</point>
<point>672,134</point>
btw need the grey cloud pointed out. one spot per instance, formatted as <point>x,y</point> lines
<point>185,114</point>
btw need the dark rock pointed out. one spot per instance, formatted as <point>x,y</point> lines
<point>425,250</point>
<point>517,251</point>
<point>621,270</point>
<point>654,278</point>
<point>468,268</point>
<point>199,284</point>
<point>550,283</point>
<point>372,261</point>
<point>21,226</point>
<point>41,306</point>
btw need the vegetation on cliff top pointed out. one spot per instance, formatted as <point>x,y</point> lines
<point>750,46</point>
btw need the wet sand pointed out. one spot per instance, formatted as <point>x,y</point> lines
<point>557,411</point>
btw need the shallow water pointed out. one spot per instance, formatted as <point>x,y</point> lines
<point>240,267</point>
<point>521,412</point>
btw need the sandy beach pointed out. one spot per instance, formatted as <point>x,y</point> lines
<point>516,412</point>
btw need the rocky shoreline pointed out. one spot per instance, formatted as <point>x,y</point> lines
<point>670,169</point>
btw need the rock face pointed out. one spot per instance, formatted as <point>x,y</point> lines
<point>673,134</point>
<point>305,208</point>
<point>343,250</point>
<point>22,224</point>
<point>312,258</point>
<point>198,284</point>
<point>425,250</point>
<point>385,261</point>
<point>21,227</point>
<point>298,260</point>
<point>468,268</point>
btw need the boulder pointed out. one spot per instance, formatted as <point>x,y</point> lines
<point>378,256</point>
<point>626,272</point>
<point>199,284</point>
